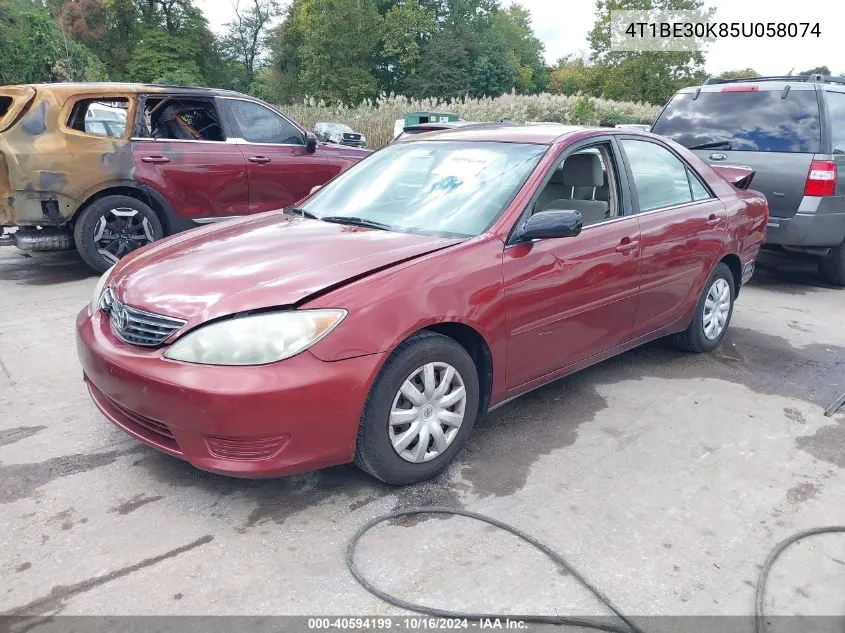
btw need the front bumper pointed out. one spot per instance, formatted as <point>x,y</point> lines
<point>266,421</point>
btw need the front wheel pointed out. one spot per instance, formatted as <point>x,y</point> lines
<point>420,410</point>
<point>712,313</point>
<point>112,227</point>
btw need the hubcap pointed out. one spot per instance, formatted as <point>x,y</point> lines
<point>717,307</point>
<point>120,231</point>
<point>427,412</point>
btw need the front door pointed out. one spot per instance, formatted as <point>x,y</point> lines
<point>568,299</point>
<point>682,226</point>
<point>180,150</point>
<point>281,171</point>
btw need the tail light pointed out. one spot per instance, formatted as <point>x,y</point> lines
<point>821,181</point>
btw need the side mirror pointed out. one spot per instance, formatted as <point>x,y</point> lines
<point>310,142</point>
<point>315,189</point>
<point>550,224</point>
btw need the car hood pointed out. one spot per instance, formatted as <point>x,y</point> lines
<point>263,261</point>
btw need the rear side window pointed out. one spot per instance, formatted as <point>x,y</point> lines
<point>660,178</point>
<point>836,110</point>
<point>181,119</point>
<point>100,116</point>
<point>759,121</point>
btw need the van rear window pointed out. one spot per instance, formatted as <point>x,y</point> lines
<point>761,121</point>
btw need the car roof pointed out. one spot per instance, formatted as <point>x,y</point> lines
<point>542,134</point>
<point>68,89</point>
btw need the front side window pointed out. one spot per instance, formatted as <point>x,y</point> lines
<point>584,181</point>
<point>452,188</point>
<point>660,178</point>
<point>104,116</point>
<point>261,125</point>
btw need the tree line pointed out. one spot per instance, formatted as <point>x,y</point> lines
<point>332,50</point>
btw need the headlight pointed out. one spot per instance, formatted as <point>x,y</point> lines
<point>255,340</point>
<point>98,290</point>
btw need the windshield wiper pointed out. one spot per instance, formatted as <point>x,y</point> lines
<point>300,212</point>
<point>342,219</point>
<point>712,145</point>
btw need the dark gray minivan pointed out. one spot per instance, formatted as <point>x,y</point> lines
<point>791,131</point>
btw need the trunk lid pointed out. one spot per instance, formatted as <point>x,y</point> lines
<point>780,176</point>
<point>773,127</point>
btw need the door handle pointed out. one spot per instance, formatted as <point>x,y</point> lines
<point>261,160</point>
<point>155,159</point>
<point>713,220</point>
<point>627,245</point>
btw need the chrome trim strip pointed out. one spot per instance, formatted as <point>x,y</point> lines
<point>216,219</point>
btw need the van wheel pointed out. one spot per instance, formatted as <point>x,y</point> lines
<point>712,313</point>
<point>832,267</point>
<point>419,412</point>
<point>113,226</point>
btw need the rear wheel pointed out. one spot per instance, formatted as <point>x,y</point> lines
<point>113,226</point>
<point>712,313</point>
<point>832,267</point>
<point>420,410</point>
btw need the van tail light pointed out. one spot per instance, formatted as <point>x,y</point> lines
<point>821,181</point>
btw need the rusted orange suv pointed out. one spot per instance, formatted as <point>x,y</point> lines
<point>108,168</point>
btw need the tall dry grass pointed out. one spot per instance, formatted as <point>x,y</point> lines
<point>375,119</point>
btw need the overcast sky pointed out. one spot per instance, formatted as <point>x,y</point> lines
<point>563,26</point>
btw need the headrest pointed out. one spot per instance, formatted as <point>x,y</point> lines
<point>582,170</point>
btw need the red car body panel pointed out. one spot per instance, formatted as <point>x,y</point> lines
<point>542,310</point>
<point>272,259</point>
<point>198,180</point>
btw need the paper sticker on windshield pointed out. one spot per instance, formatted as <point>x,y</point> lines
<point>464,165</point>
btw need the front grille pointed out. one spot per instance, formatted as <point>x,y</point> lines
<point>138,327</point>
<point>246,448</point>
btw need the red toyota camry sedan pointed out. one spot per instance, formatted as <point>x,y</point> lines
<point>428,284</point>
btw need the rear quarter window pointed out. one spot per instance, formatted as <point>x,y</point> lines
<point>760,121</point>
<point>100,116</point>
<point>5,104</point>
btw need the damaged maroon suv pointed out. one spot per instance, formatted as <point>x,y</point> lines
<point>112,167</point>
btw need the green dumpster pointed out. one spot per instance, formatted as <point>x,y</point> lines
<point>416,118</point>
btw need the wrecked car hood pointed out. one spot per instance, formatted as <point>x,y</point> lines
<point>256,262</point>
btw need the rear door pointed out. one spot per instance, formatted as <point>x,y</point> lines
<point>772,127</point>
<point>180,149</point>
<point>281,171</point>
<point>683,226</point>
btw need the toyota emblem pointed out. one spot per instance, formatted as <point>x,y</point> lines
<point>121,319</point>
<point>718,156</point>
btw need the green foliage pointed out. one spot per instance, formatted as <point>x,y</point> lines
<point>818,70</point>
<point>644,76</point>
<point>739,74</point>
<point>161,57</point>
<point>34,49</point>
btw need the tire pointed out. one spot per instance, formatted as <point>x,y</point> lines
<point>133,223</point>
<point>832,267</point>
<point>375,452</point>
<point>697,337</point>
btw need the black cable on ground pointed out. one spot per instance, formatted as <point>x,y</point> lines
<point>586,623</point>
<point>759,621</point>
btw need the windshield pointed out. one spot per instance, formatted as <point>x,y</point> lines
<point>433,187</point>
<point>760,121</point>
